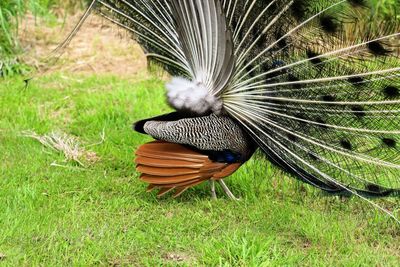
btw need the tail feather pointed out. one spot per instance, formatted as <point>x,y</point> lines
<point>321,96</point>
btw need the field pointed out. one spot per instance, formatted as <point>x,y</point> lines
<point>93,210</point>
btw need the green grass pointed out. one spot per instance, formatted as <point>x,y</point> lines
<point>100,214</point>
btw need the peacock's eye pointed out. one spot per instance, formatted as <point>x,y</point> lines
<point>358,111</point>
<point>391,91</point>
<point>389,142</point>
<point>346,144</point>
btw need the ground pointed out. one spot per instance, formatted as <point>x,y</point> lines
<point>57,212</point>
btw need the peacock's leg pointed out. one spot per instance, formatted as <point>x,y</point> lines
<point>227,191</point>
<point>212,185</point>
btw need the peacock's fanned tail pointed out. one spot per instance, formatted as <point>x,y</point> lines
<point>314,82</point>
<point>317,86</point>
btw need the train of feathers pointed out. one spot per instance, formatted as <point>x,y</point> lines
<point>314,84</point>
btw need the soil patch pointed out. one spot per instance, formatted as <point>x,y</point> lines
<point>99,47</point>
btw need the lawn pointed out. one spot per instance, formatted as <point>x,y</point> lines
<point>56,212</point>
<point>93,210</point>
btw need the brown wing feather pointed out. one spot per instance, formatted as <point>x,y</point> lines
<point>231,168</point>
<point>162,163</point>
<point>165,149</point>
<point>152,179</point>
<point>165,171</point>
<point>167,166</point>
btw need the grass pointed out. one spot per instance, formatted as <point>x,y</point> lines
<point>11,14</point>
<point>57,213</point>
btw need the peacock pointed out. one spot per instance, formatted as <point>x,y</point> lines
<point>313,84</point>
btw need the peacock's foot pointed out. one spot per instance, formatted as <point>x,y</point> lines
<point>213,194</point>
<point>227,191</point>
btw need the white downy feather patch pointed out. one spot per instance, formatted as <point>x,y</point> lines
<point>192,96</point>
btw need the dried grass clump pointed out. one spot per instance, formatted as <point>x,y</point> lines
<point>70,146</point>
